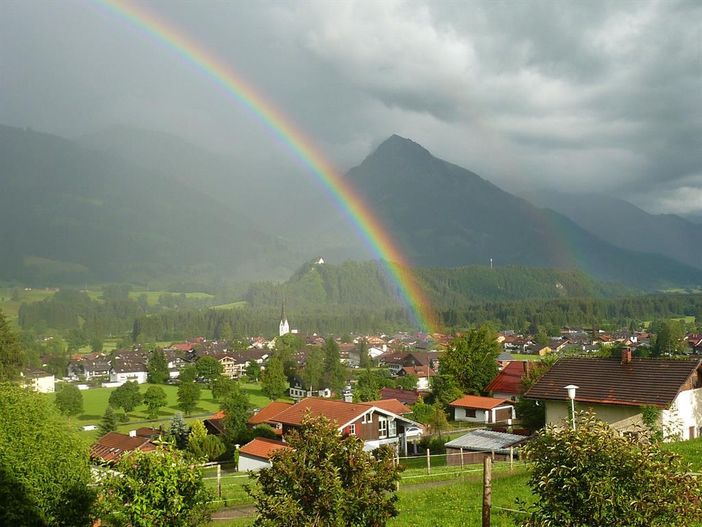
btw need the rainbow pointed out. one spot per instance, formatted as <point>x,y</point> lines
<point>301,147</point>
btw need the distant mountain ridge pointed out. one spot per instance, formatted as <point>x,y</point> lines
<point>444,215</point>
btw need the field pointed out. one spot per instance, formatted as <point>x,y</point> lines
<point>10,307</point>
<point>95,403</point>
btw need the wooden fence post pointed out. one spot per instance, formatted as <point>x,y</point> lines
<point>511,458</point>
<point>219,480</point>
<point>487,490</point>
<point>462,466</point>
<point>428,462</point>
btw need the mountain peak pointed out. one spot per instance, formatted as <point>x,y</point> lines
<point>397,144</point>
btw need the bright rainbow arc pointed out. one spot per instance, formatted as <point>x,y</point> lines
<point>365,221</point>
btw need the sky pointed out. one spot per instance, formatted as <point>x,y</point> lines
<point>593,96</point>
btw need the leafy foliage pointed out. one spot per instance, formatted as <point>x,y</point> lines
<point>157,368</point>
<point>109,420</point>
<point>126,396</point>
<point>44,467</point>
<point>326,480</point>
<point>154,489</point>
<point>595,477</point>
<point>178,431</point>
<point>69,400</point>
<point>12,358</point>
<point>236,408</point>
<point>334,372</point>
<point>273,380</point>
<point>472,359</point>
<point>154,399</point>
<point>669,340</point>
<point>188,396</point>
<point>208,368</point>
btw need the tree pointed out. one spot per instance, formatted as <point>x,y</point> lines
<point>436,418</point>
<point>595,477</point>
<point>221,386</point>
<point>154,399</point>
<point>406,382</point>
<point>12,357</point>
<point>209,369</point>
<point>154,489</point>
<point>367,387</point>
<point>421,411</point>
<point>109,420</point>
<point>188,396</point>
<point>157,368</point>
<point>532,414</point>
<point>69,400</point>
<point>204,446</point>
<point>364,361</point>
<point>334,372</point>
<point>253,371</point>
<point>44,466</point>
<point>273,381</point>
<point>236,408</point>
<point>670,338</point>
<point>351,487</point>
<point>445,389</point>
<point>187,374</point>
<point>127,397</point>
<point>314,369</point>
<point>472,359</point>
<point>178,431</point>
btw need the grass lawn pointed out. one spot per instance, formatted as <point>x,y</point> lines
<point>10,307</point>
<point>690,451</point>
<point>526,356</point>
<point>232,305</point>
<point>95,403</point>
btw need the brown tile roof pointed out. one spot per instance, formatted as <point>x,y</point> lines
<point>262,447</point>
<point>607,381</point>
<point>113,445</point>
<point>481,403</point>
<point>266,413</point>
<point>509,380</point>
<point>391,405</point>
<point>338,411</point>
<point>419,371</point>
<point>404,396</point>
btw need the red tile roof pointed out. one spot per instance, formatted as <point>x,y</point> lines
<point>419,371</point>
<point>113,445</point>
<point>640,382</point>
<point>262,447</point>
<point>509,380</point>
<point>404,396</point>
<point>338,411</point>
<point>481,403</point>
<point>391,405</point>
<point>266,413</point>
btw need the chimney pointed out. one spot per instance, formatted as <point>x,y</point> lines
<point>626,355</point>
<point>132,433</point>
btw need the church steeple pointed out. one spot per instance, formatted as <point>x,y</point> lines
<point>284,327</point>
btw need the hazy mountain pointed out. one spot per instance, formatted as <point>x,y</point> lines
<point>72,214</point>
<point>625,225</point>
<point>444,215</point>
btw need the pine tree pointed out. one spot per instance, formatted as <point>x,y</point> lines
<point>334,372</point>
<point>178,431</point>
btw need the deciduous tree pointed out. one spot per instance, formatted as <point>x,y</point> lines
<point>157,368</point>
<point>472,359</point>
<point>273,381</point>
<point>209,368</point>
<point>154,399</point>
<point>69,400</point>
<point>127,397</point>
<point>154,489</point>
<point>188,396</point>
<point>595,477</point>
<point>44,467</point>
<point>334,372</point>
<point>236,408</point>
<point>109,420</point>
<point>351,487</point>
<point>12,357</point>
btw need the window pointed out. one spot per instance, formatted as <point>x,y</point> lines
<point>367,418</point>
<point>392,431</point>
<point>352,429</point>
<point>470,412</point>
<point>382,428</point>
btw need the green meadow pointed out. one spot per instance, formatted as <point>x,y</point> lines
<point>95,402</point>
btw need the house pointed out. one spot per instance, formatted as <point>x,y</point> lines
<point>215,424</point>
<point>376,426</point>
<point>617,389</point>
<point>391,405</point>
<point>475,446</point>
<point>264,415</point>
<point>257,453</point>
<point>507,384</point>
<point>298,393</point>
<point>407,397</point>
<point>124,370</point>
<point>113,445</point>
<point>476,409</point>
<point>39,381</point>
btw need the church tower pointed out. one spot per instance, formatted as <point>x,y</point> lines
<point>284,327</point>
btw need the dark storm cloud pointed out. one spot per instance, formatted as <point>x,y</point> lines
<point>581,96</point>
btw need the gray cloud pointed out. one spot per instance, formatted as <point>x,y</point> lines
<point>586,96</point>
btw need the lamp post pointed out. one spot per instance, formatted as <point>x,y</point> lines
<point>571,395</point>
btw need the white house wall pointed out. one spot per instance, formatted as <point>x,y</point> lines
<point>685,412</point>
<point>252,464</point>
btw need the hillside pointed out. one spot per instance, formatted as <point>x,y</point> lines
<point>625,225</point>
<point>365,284</point>
<point>69,214</point>
<point>446,216</point>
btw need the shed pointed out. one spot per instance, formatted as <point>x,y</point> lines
<point>479,444</point>
<point>476,409</point>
